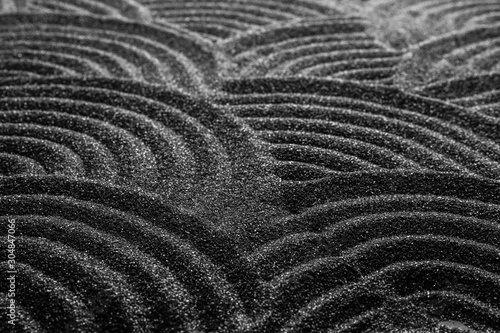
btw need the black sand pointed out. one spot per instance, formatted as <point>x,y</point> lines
<point>250,165</point>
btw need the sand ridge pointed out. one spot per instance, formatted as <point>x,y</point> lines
<point>251,165</point>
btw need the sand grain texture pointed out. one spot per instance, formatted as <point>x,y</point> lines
<point>251,165</point>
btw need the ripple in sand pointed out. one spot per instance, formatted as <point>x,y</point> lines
<point>420,253</point>
<point>219,19</point>
<point>333,47</point>
<point>119,132</point>
<point>408,22</point>
<point>480,93</point>
<point>103,258</point>
<point>452,56</point>
<point>125,9</point>
<point>60,44</point>
<point>316,128</point>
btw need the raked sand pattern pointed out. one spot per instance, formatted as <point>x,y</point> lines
<point>251,165</point>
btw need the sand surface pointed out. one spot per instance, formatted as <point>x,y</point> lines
<point>250,166</point>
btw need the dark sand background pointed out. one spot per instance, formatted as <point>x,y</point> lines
<point>251,165</point>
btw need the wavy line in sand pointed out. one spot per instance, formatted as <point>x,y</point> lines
<point>106,47</point>
<point>408,22</point>
<point>125,9</point>
<point>121,132</point>
<point>377,305</point>
<point>316,128</point>
<point>419,244</point>
<point>301,195</point>
<point>102,257</point>
<point>480,93</point>
<point>451,56</point>
<point>218,19</point>
<point>422,253</point>
<point>332,47</point>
